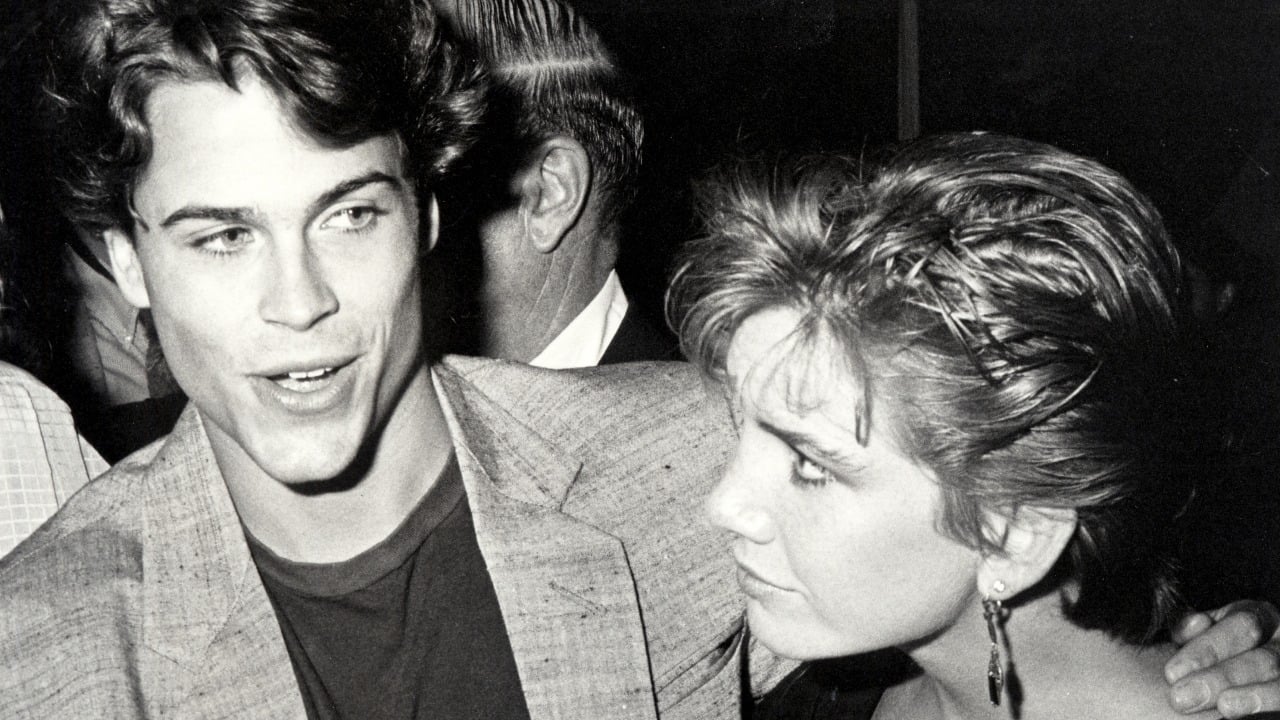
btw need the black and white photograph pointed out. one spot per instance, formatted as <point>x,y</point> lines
<point>640,359</point>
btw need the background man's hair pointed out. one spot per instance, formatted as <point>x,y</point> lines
<point>552,75</point>
<point>345,70</point>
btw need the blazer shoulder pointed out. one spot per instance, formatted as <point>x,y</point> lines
<point>642,383</point>
<point>615,386</point>
<point>90,534</point>
<point>584,409</point>
<point>71,604</point>
<point>93,540</point>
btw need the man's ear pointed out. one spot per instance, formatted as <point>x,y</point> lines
<point>1033,539</point>
<point>430,224</point>
<point>554,185</point>
<point>126,268</point>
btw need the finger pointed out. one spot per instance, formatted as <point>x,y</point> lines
<point>1241,701</point>
<point>1241,626</point>
<point>1267,615</point>
<point>1190,626</point>
<point>1257,671</point>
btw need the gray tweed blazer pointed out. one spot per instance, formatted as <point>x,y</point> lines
<point>139,598</point>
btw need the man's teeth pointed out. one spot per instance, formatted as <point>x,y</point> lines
<point>309,374</point>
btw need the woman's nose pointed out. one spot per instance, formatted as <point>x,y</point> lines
<point>738,503</point>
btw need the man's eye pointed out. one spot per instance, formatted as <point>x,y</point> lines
<point>351,219</point>
<point>224,242</point>
<point>807,472</point>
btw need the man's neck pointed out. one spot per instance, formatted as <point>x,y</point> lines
<point>339,523</point>
<point>520,325</point>
<point>584,341</point>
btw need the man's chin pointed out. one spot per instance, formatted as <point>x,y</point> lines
<point>317,466</point>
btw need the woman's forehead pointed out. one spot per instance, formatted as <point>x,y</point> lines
<point>773,359</point>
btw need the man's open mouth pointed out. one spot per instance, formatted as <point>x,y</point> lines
<point>305,380</point>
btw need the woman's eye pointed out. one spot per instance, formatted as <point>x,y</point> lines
<point>224,242</point>
<point>351,218</point>
<point>808,472</point>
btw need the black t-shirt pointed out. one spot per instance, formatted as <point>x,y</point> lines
<point>410,628</point>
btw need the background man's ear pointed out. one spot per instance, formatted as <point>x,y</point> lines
<point>1034,538</point>
<point>554,186</point>
<point>126,268</point>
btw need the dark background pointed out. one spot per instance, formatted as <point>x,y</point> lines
<point>1182,96</point>
<point>1177,95</point>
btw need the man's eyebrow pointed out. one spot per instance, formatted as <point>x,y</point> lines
<point>208,212</point>
<point>342,188</point>
<point>248,214</point>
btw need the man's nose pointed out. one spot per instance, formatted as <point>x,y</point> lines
<point>737,504</point>
<point>298,291</point>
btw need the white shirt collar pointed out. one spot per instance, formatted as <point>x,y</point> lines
<point>583,341</point>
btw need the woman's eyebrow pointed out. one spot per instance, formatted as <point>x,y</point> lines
<point>811,443</point>
<point>792,437</point>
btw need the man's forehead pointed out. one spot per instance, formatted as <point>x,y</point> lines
<point>213,144</point>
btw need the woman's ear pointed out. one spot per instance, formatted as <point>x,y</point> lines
<point>1032,539</point>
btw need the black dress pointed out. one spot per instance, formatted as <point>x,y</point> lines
<point>844,690</point>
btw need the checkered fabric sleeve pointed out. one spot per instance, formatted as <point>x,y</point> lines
<point>42,458</point>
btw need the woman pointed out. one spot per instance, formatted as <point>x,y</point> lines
<point>958,393</point>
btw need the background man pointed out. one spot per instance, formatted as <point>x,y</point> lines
<point>560,169</point>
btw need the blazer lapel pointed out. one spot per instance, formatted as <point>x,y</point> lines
<point>565,587</point>
<point>215,648</point>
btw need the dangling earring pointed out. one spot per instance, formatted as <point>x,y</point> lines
<point>992,612</point>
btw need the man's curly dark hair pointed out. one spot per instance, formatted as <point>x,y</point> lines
<point>345,70</point>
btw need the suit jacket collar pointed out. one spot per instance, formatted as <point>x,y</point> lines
<point>518,461</point>
<point>565,587</point>
<point>208,625</point>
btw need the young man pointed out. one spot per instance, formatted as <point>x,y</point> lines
<point>335,527</point>
<point>338,526</point>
